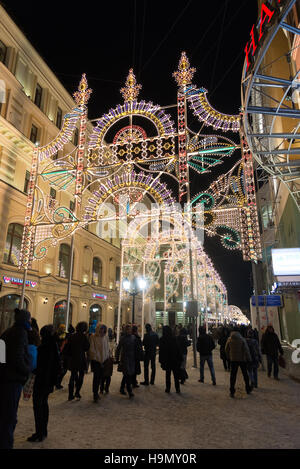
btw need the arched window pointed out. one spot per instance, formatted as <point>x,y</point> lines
<point>64,261</point>
<point>95,313</point>
<point>97,272</point>
<point>60,313</point>
<point>8,304</point>
<point>13,244</point>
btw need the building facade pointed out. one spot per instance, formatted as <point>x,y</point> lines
<point>33,103</point>
<point>271,100</point>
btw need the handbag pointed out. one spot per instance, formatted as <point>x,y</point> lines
<point>28,387</point>
<point>281,361</point>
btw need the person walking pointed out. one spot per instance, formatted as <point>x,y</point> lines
<point>237,351</point>
<point>270,346</point>
<point>75,353</point>
<point>46,374</point>
<point>61,339</point>
<point>170,358</point>
<point>222,342</point>
<point>150,342</point>
<point>255,357</point>
<point>139,356</point>
<point>99,352</point>
<point>205,346</point>
<point>13,375</point>
<point>183,343</point>
<point>107,374</point>
<point>126,359</point>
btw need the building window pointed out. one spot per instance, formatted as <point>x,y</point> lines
<point>117,273</point>
<point>8,304</point>
<point>33,134</point>
<point>52,193</point>
<point>3,50</point>
<point>59,118</point>
<point>64,261</point>
<point>76,137</point>
<point>60,314</point>
<point>13,244</point>
<point>97,272</point>
<point>38,95</point>
<point>26,182</point>
<point>95,314</point>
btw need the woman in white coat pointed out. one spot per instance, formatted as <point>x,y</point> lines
<point>99,353</point>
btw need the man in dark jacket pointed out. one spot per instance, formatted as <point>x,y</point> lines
<point>170,358</point>
<point>13,375</point>
<point>150,342</point>
<point>270,346</point>
<point>74,353</point>
<point>238,353</point>
<point>126,357</point>
<point>205,346</point>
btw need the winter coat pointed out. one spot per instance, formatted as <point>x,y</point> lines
<point>183,344</point>
<point>99,350</point>
<point>205,344</point>
<point>270,344</point>
<point>150,342</point>
<point>236,348</point>
<point>48,366</point>
<point>139,355</point>
<point>75,352</point>
<point>17,366</point>
<point>222,342</point>
<point>170,355</point>
<point>126,354</point>
<point>254,351</point>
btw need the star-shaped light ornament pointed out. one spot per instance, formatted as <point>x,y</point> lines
<point>185,73</point>
<point>83,94</point>
<point>131,90</point>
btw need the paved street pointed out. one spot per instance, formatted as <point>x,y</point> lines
<point>203,416</point>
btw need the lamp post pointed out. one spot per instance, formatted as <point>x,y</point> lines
<point>134,287</point>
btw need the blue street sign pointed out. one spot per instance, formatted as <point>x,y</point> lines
<point>267,300</point>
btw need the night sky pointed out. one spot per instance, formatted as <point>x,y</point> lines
<point>104,39</point>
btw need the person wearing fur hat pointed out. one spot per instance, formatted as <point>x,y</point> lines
<point>13,375</point>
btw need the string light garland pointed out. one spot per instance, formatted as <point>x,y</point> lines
<point>118,165</point>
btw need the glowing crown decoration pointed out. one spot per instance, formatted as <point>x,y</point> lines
<point>83,94</point>
<point>185,73</point>
<point>131,90</point>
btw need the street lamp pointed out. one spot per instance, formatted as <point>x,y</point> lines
<point>134,287</point>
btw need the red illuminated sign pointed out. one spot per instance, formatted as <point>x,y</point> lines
<point>266,13</point>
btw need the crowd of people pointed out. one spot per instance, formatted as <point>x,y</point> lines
<point>37,361</point>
